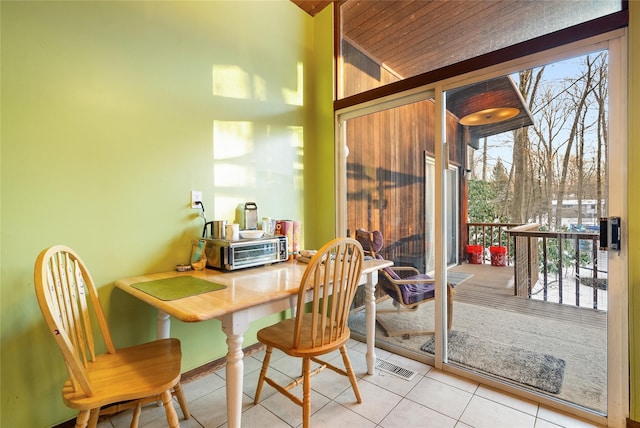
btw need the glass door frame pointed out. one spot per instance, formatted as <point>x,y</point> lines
<point>617,324</point>
<point>452,212</point>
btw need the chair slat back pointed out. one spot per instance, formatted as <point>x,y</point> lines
<point>62,283</point>
<point>332,276</point>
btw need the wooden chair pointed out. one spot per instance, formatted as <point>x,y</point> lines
<point>319,327</point>
<point>111,382</point>
<point>406,286</point>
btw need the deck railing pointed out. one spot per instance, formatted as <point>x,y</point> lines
<point>491,234</point>
<point>562,262</point>
<point>559,253</point>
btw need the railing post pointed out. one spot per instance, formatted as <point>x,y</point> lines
<point>508,243</point>
<point>577,267</point>
<point>484,238</point>
<point>529,267</point>
<point>560,275</point>
<point>545,285</point>
<point>594,257</point>
<point>515,271</point>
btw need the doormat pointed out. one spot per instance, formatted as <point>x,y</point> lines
<point>541,371</point>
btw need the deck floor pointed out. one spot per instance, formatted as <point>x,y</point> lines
<point>492,287</point>
<point>576,335</point>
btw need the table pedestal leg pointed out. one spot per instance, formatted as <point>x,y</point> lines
<point>293,302</point>
<point>163,325</point>
<point>370,316</point>
<point>234,325</point>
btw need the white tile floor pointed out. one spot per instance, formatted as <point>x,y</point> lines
<point>432,399</point>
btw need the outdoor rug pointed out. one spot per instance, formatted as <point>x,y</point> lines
<point>541,371</point>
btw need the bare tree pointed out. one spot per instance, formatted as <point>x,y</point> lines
<point>581,89</point>
<point>548,125</point>
<point>564,154</point>
<point>600,92</point>
<point>521,174</point>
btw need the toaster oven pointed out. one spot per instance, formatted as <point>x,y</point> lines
<point>237,254</point>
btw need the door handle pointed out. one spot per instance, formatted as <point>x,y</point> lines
<point>610,233</point>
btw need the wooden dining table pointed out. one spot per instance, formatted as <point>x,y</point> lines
<point>246,295</point>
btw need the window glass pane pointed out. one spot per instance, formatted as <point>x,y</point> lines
<point>390,180</point>
<point>452,215</point>
<point>385,177</point>
<point>386,41</point>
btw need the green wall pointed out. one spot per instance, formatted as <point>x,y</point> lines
<point>112,112</point>
<point>319,206</point>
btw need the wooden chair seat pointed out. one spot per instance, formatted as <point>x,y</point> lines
<point>280,336</point>
<point>142,370</point>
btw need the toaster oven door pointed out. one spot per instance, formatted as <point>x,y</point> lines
<point>252,253</point>
<point>216,254</point>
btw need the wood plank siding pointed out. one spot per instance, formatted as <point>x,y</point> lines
<point>386,171</point>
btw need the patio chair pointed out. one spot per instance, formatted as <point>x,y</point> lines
<point>405,285</point>
<point>371,242</point>
<point>319,327</point>
<point>118,379</point>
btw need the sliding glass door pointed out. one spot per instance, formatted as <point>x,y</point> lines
<point>428,177</point>
<point>532,311</point>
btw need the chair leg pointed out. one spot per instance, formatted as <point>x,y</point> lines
<point>136,415</point>
<point>350,373</point>
<point>93,418</point>
<point>263,374</point>
<point>82,419</point>
<point>177,389</point>
<point>306,393</point>
<point>172,416</point>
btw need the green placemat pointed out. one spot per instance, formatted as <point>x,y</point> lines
<point>177,287</point>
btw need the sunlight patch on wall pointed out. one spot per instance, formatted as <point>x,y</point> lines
<point>229,175</point>
<point>297,143</point>
<point>232,139</point>
<point>233,153</point>
<point>295,97</point>
<point>259,88</point>
<point>231,81</point>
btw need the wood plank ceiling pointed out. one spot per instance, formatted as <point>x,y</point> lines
<point>406,36</point>
<point>312,7</point>
<point>399,35</point>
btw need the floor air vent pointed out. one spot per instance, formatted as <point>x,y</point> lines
<point>388,367</point>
